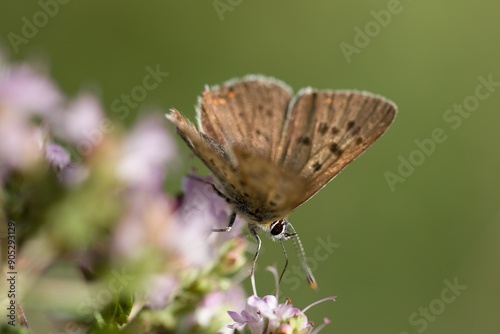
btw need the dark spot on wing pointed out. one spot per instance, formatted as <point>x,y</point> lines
<point>323,127</point>
<point>335,149</point>
<point>272,203</point>
<point>335,130</point>
<point>246,195</point>
<point>317,166</point>
<point>350,124</point>
<point>359,140</point>
<point>269,113</point>
<point>260,107</point>
<point>304,140</point>
<point>260,134</point>
<point>356,130</point>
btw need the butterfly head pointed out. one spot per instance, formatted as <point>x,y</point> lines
<point>280,230</point>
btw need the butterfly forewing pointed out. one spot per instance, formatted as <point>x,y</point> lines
<point>249,112</point>
<point>326,130</point>
<point>213,155</point>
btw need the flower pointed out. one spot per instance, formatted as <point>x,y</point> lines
<point>57,156</point>
<point>199,196</point>
<point>26,91</point>
<point>81,122</point>
<point>145,153</point>
<point>178,234</point>
<point>148,258</point>
<point>210,312</point>
<point>266,315</point>
<point>24,94</point>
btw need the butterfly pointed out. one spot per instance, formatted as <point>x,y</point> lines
<point>271,151</point>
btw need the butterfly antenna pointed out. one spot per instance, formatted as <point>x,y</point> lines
<point>302,257</point>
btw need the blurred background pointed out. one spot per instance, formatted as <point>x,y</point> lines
<point>407,236</point>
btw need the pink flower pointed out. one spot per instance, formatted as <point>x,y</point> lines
<point>24,93</point>
<point>27,92</point>
<point>211,308</point>
<point>199,196</point>
<point>160,288</point>
<point>57,156</point>
<point>145,154</point>
<point>266,315</point>
<point>82,120</point>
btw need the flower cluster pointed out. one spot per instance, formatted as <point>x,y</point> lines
<point>96,227</point>
<point>266,315</point>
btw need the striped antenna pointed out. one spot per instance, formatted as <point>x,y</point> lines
<point>301,254</point>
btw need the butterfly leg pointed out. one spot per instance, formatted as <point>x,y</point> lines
<point>286,260</point>
<point>217,191</point>
<point>232,218</point>
<point>254,262</point>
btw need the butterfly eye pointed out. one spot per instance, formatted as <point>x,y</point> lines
<point>278,227</point>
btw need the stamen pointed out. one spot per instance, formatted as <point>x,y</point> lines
<point>326,321</point>
<point>318,302</point>
<point>274,272</point>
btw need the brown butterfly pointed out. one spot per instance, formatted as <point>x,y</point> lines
<point>271,151</point>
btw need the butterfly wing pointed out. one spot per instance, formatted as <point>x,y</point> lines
<point>265,191</point>
<point>258,189</point>
<point>213,155</point>
<point>249,111</point>
<point>326,130</point>
<point>272,153</point>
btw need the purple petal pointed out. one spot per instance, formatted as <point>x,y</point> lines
<point>259,306</point>
<point>256,327</point>
<point>82,122</point>
<point>56,155</point>
<point>201,196</point>
<point>250,317</point>
<point>27,91</point>
<point>145,154</point>
<point>237,318</point>
<point>160,288</point>
<point>235,325</point>
<point>19,142</point>
<point>271,301</point>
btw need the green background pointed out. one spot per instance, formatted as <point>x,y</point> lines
<point>395,248</point>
